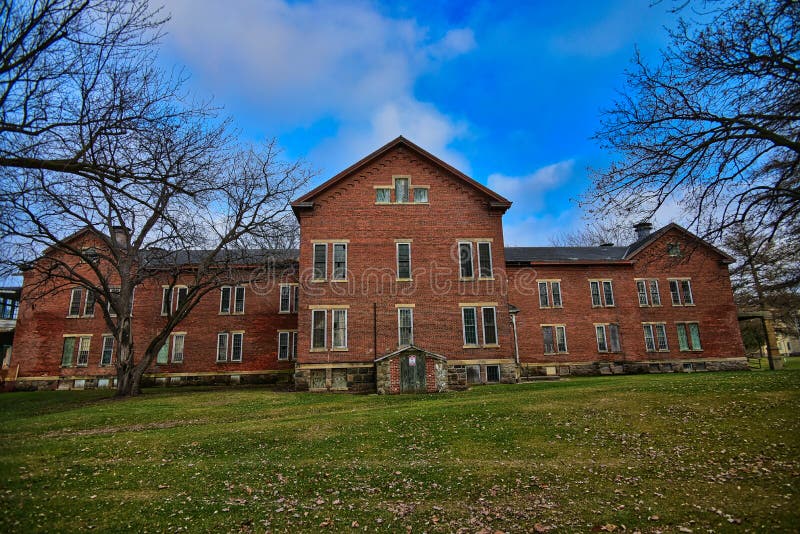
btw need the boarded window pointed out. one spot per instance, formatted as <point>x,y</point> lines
<point>683,340</point>
<point>68,352</point>
<point>163,354</point>
<point>474,374</point>
<point>613,337</point>
<point>694,334</point>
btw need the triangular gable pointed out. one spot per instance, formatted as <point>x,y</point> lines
<point>413,348</point>
<point>640,245</point>
<point>305,200</point>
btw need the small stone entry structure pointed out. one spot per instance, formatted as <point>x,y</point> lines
<point>411,370</point>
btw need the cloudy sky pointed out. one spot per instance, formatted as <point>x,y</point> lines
<point>509,92</point>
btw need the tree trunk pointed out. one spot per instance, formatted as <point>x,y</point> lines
<point>129,375</point>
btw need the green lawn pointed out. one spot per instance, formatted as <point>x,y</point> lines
<point>701,452</point>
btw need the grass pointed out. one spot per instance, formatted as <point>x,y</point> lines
<point>701,452</point>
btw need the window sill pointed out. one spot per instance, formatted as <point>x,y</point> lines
<point>403,279</point>
<point>466,279</point>
<point>338,279</point>
<point>492,346</point>
<point>471,347</point>
<point>284,312</point>
<point>487,278</point>
<point>318,280</point>
<point>339,349</point>
<point>555,353</point>
<point>320,349</point>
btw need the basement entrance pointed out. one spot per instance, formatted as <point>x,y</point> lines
<point>412,373</point>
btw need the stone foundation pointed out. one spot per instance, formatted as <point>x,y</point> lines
<point>352,379</point>
<point>628,368</point>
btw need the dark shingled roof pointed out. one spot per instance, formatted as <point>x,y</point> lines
<point>156,257</point>
<point>528,254</point>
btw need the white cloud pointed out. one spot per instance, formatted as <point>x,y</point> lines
<point>537,230</point>
<point>527,192</point>
<point>298,63</point>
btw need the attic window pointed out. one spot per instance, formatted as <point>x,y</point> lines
<point>674,250</point>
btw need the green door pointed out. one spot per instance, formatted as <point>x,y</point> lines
<point>412,374</point>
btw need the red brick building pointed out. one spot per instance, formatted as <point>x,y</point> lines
<point>403,283</point>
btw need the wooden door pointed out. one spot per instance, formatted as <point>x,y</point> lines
<point>412,374</point>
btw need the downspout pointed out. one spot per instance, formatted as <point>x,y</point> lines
<point>513,312</point>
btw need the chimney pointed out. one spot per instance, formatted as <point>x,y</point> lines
<point>604,245</point>
<point>643,229</point>
<point>120,236</point>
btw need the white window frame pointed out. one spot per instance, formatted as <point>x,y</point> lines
<point>235,300</point>
<point>288,289</point>
<point>334,313</point>
<point>653,328</point>
<point>556,328</point>
<point>681,301</point>
<point>642,291</point>
<point>175,352</point>
<point>397,257</point>
<point>414,194</point>
<point>324,330</point>
<point>225,302</point>
<point>234,357</point>
<point>650,285</point>
<point>288,345</point>
<point>76,294</point>
<point>592,285</point>
<point>598,328</point>
<point>83,351</point>
<point>461,275</point>
<point>601,288</point>
<point>647,328</point>
<point>219,345</point>
<point>550,294</point>
<point>483,324</point>
<point>464,326</point>
<point>399,327</point>
<point>106,338</point>
<point>334,278</point>
<point>383,188</point>
<point>480,264</point>
<point>324,263</point>
<point>166,298</point>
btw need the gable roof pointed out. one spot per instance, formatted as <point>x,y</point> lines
<point>601,254</point>
<point>642,243</point>
<point>303,202</point>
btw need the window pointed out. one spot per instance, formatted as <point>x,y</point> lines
<point>113,292</point>
<point>108,350</point>
<point>318,325</point>
<point>602,345</point>
<point>465,259</point>
<point>674,250</point>
<point>75,302</point>
<point>550,292</point>
<point>613,336</point>
<point>680,289</point>
<point>163,354</point>
<point>68,352</point>
<point>166,300</point>
<point>238,300</point>
<point>180,296</point>
<point>339,329</point>
<point>294,345</point>
<point>493,373</point>
<point>237,340</point>
<point>320,261</point>
<point>647,290</point>
<point>489,326</point>
<point>222,347</point>
<point>485,260</point>
<point>286,292</point>
<point>383,195</point>
<point>602,293</point>
<point>88,309</point>
<point>655,337</point>
<point>177,348</point>
<point>9,307</point>
<point>405,326</point>
<point>690,341</point>
<point>555,338</point>
<point>283,345</point>
<point>404,261</point>
<point>473,374</point>
<point>339,261</point>
<point>225,300</point>
<point>469,320</point>
<point>401,189</point>
<point>83,351</point>
<point>421,195</point>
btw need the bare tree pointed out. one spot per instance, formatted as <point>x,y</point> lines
<point>94,136</point>
<point>594,233</point>
<point>715,126</point>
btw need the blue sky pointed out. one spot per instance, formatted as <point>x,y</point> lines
<point>508,92</point>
